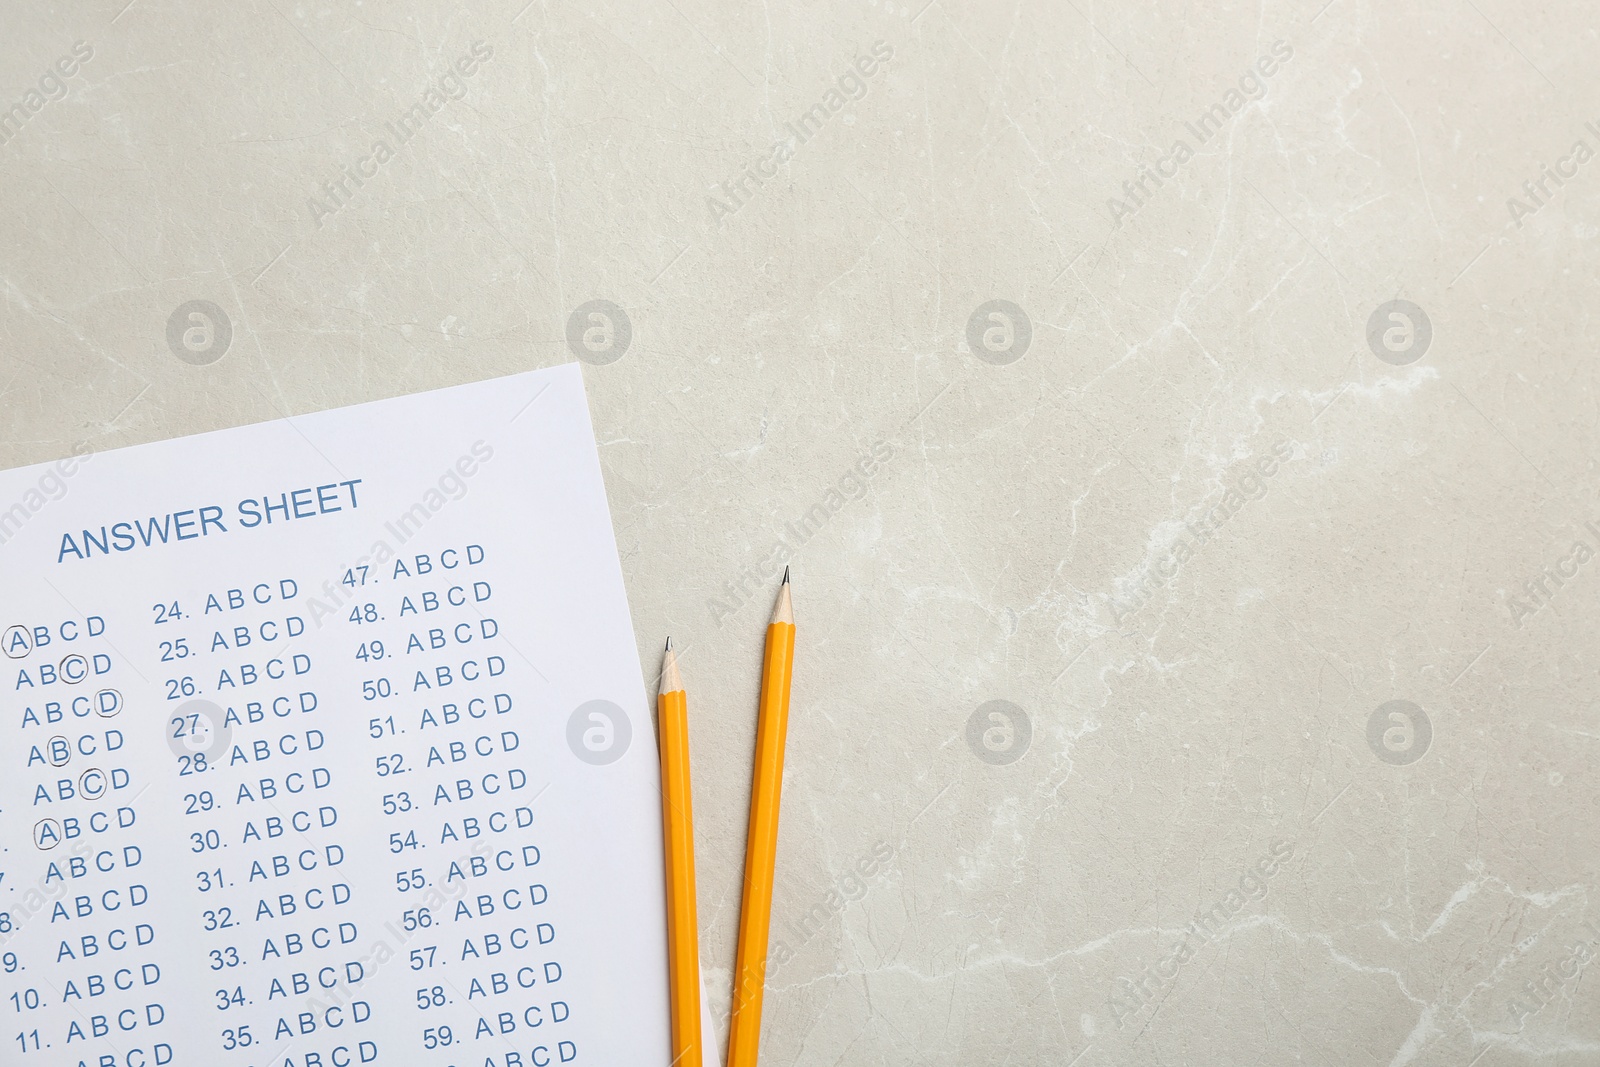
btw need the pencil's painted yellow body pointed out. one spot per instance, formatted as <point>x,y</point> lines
<point>683,941</point>
<point>761,851</point>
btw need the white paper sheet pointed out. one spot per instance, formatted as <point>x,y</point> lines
<point>236,831</point>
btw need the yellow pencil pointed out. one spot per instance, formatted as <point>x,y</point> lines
<point>683,937</point>
<point>761,850</point>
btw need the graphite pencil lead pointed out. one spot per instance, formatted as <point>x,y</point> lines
<point>671,680</point>
<point>785,575</point>
<point>783,610</point>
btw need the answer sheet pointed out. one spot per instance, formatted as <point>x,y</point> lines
<point>329,746</point>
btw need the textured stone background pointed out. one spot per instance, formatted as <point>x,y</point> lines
<point>1170,721</point>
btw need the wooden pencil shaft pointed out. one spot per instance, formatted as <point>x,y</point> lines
<point>683,944</point>
<point>761,854</point>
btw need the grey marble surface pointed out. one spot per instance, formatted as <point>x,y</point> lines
<point>1287,414</point>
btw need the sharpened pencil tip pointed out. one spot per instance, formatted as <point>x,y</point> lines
<point>783,610</point>
<point>671,680</point>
